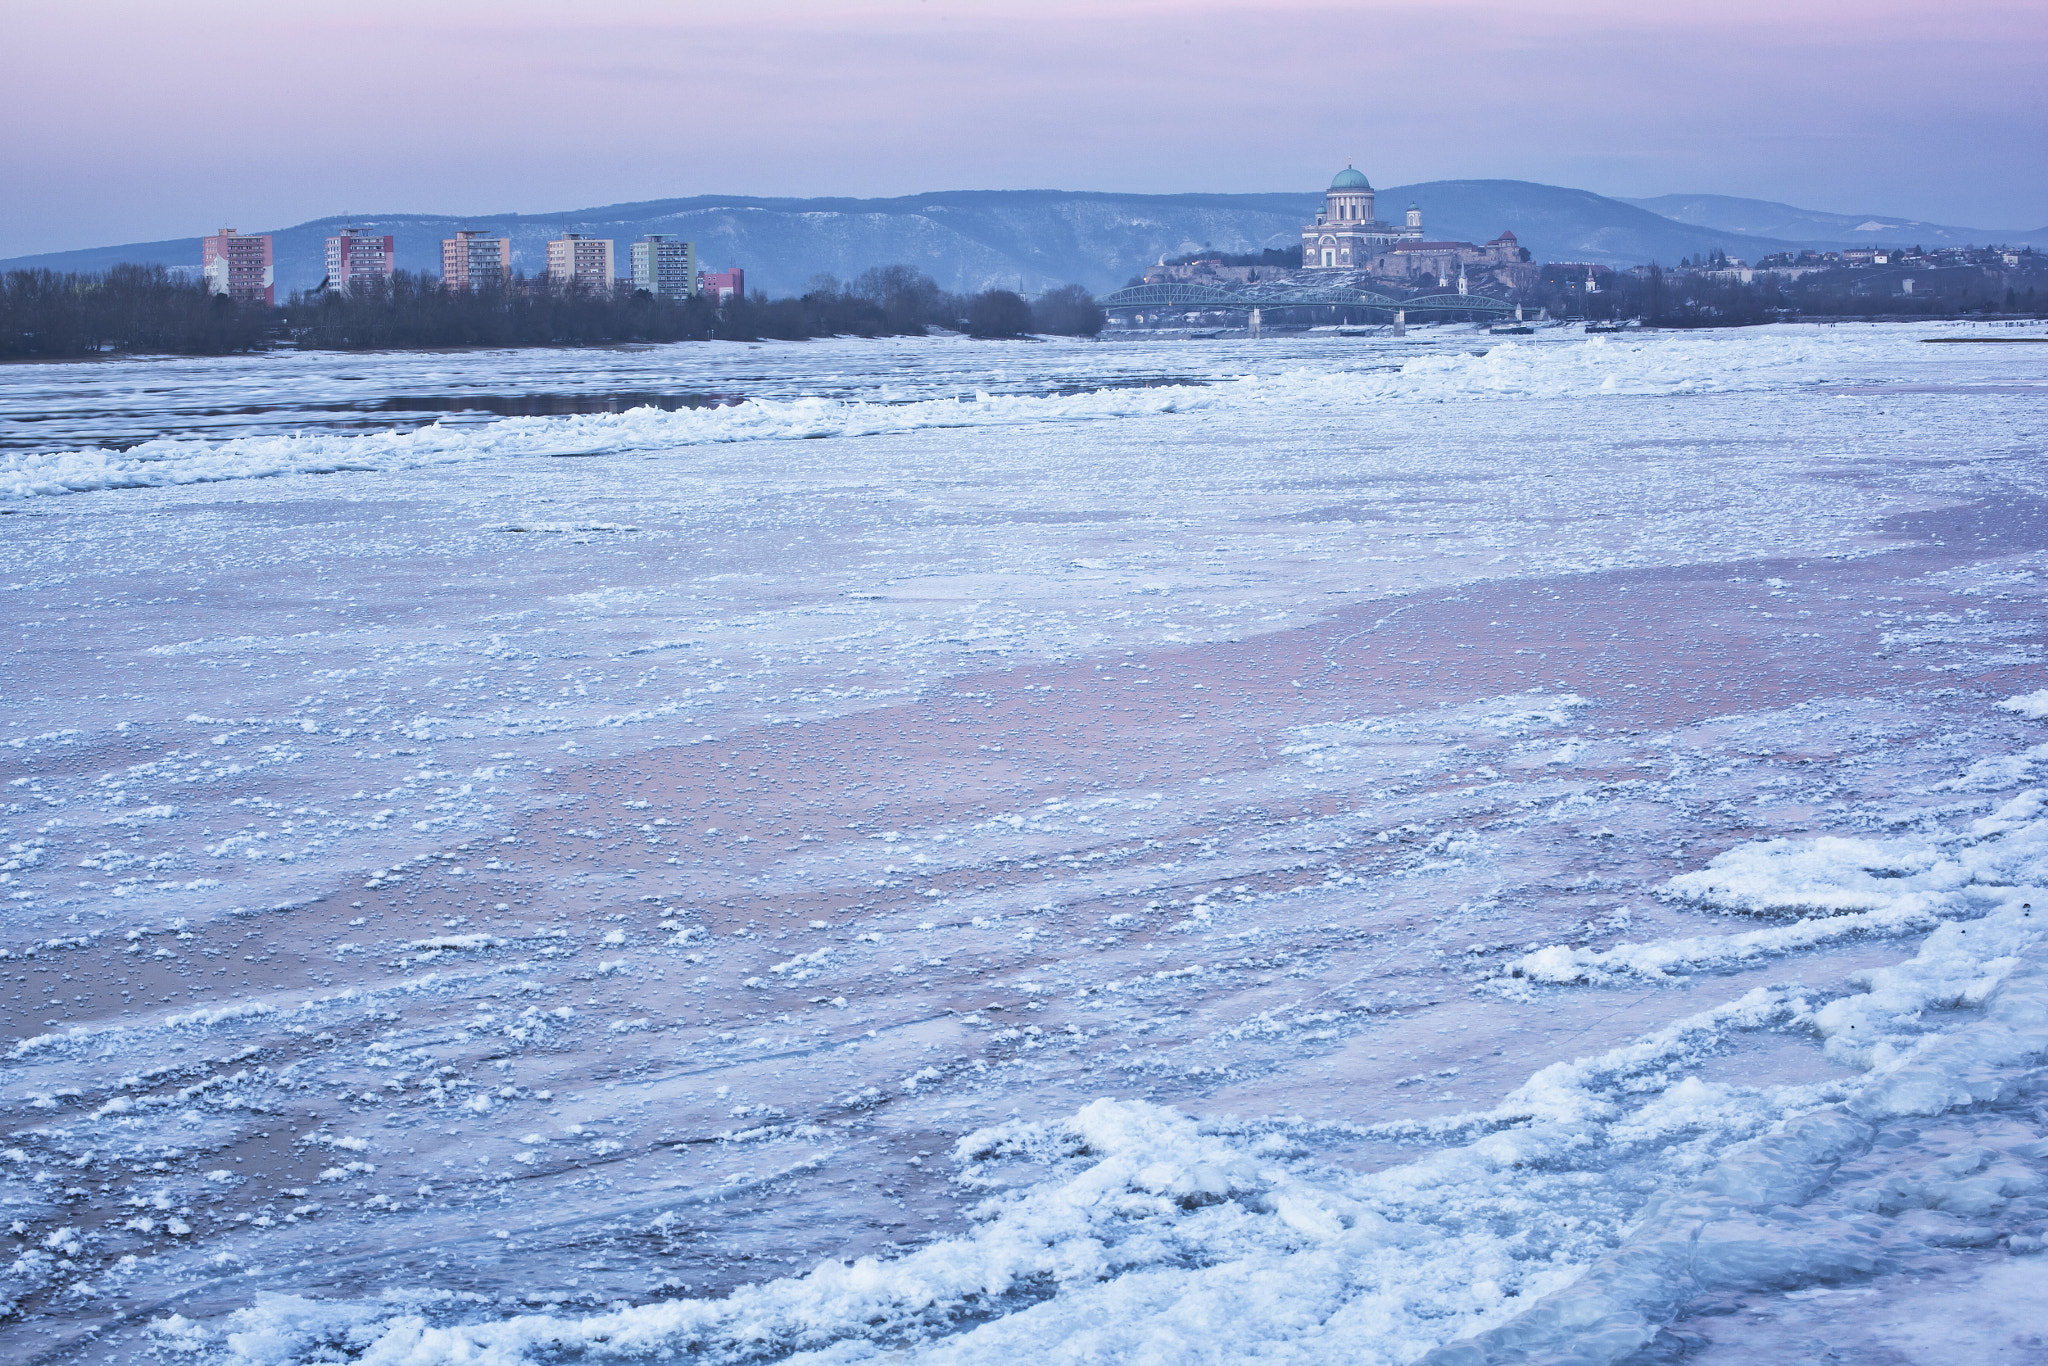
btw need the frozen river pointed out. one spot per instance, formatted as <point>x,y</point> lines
<point>1444,849</point>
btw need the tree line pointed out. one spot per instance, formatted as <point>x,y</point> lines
<point>1691,298</point>
<point>150,309</point>
<point>127,308</point>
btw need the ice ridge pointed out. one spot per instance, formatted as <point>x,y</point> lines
<point>1588,368</point>
<point>1727,1233</point>
<point>1837,888</point>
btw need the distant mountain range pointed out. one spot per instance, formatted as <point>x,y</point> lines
<point>1811,228</point>
<point>1034,239</point>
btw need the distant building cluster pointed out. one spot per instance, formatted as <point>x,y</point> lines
<point>1967,278</point>
<point>243,268</point>
<point>1787,266</point>
<point>1447,261</point>
<point>1349,235</point>
<point>1349,238</point>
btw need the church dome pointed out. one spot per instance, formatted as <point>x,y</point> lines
<point>1349,179</point>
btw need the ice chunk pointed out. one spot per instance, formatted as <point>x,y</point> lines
<point>2032,705</point>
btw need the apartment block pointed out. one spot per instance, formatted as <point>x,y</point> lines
<point>722,285</point>
<point>239,267</point>
<point>471,260</point>
<point>354,254</point>
<point>665,266</point>
<point>574,259</point>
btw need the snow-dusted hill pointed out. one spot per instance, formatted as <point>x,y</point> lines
<point>1812,227</point>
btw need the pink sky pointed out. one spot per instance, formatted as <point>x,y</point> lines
<point>132,121</point>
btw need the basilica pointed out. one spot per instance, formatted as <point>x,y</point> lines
<point>1347,235</point>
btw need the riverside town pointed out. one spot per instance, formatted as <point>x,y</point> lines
<point>1349,271</point>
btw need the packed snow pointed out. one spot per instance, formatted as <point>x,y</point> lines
<point>1435,849</point>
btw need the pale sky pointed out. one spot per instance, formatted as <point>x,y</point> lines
<point>132,120</point>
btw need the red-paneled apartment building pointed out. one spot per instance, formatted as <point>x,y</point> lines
<point>354,255</point>
<point>239,267</point>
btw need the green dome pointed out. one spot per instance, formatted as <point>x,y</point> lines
<point>1348,179</point>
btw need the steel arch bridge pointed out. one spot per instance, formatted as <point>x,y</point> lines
<point>1207,298</point>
